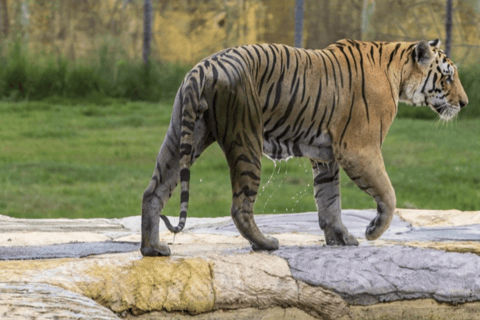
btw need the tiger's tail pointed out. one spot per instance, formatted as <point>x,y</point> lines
<point>193,105</point>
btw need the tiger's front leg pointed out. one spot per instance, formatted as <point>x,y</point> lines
<point>326,185</point>
<point>367,170</point>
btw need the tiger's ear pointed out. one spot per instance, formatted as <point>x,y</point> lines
<point>423,53</point>
<point>435,43</point>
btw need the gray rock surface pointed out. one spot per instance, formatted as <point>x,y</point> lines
<point>356,222</point>
<point>67,250</point>
<point>366,275</point>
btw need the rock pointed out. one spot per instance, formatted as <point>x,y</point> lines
<point>198,284</point>
<point>439,218</point>
<point>367,275</point>
<point>43,301</point>
<point>415,310</point>
<point>276,313</point>
<point>68,250</point>
<point>261,280</point>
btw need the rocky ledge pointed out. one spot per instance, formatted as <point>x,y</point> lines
<point>425,265</point>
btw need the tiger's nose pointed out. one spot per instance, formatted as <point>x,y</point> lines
<point>463,103</point>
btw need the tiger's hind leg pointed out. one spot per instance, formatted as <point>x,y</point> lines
<point>245,175</point>
<point>165,178</point>
<point>326,185</point>
<point>242,142</point>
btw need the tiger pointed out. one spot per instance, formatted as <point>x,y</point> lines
<point>333,106</point>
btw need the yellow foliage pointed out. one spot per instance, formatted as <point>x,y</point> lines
<point>188,31</point>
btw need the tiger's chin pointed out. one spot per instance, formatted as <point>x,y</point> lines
<point>446,111</point>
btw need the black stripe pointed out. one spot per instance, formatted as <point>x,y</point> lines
<point>184,175</point>
<point>391,91</point>
<point>259,60</point>
<point>278,91</point>
<point>189,124</point>
<point>267,99</point>
<point>434,81</point>
<point>348,120</point>
<point>325,66</point>
<point>185,149</point>
<point>321,180</point>
<point>380,54</point>
<point>287,53</point>
<point>184,196</point>
<point>349,68</point>
<point>274,63</point>
<point>250,174</point>
<point>354,60</point>
<point>183,214</point>
<point>245,191</point>
<point>215,75</point>
<point>317,100</point>
<point>392,54</point>
<point>381,133</point>
<point>220,64</point>
<point>294,78</point>
<point>426,80</point>
<point>363,84</point>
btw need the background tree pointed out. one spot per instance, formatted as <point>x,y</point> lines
<point>298,37</point>
<point>3,18</point>
<point>448,28</point>
<point>147,31</point>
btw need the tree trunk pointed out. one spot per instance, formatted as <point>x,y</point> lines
<point>448,28</point>
<point>3,18</point>
<point>147,31</point>
<point>298,23</point>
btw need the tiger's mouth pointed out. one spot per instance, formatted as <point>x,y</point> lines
<point>446,111</point>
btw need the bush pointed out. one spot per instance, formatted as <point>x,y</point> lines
<point>41,76</point>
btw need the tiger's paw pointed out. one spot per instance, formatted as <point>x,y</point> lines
<point>377,227</point>
<point>270,244</point>
<point>160,250</point>
<point>339,236</point>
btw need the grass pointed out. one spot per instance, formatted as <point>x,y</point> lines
<point>62,158</point>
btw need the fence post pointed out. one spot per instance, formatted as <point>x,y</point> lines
<point>448,29</point>
<point>147,31</point>
<point>298,23</point>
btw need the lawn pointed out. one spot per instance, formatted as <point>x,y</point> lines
<point>95,160</point>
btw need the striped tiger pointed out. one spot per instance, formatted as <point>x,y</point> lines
<point>333,106</point>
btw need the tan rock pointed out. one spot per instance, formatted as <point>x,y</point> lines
<point>449,246</point>
<point>276,313</point>
<point>41,301</point>
<point>416,310</point>
<point>439,218</point>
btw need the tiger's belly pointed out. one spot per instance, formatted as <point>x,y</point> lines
<point>315,148</point>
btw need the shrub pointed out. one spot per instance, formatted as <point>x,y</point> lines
<point>42,75</point>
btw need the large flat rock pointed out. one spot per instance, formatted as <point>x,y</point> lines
<point>369,275</point>
<point>425,256</point>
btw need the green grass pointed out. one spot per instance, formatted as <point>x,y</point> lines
<point>59,158</point>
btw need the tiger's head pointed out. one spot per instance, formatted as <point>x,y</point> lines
<point>433,81</point>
